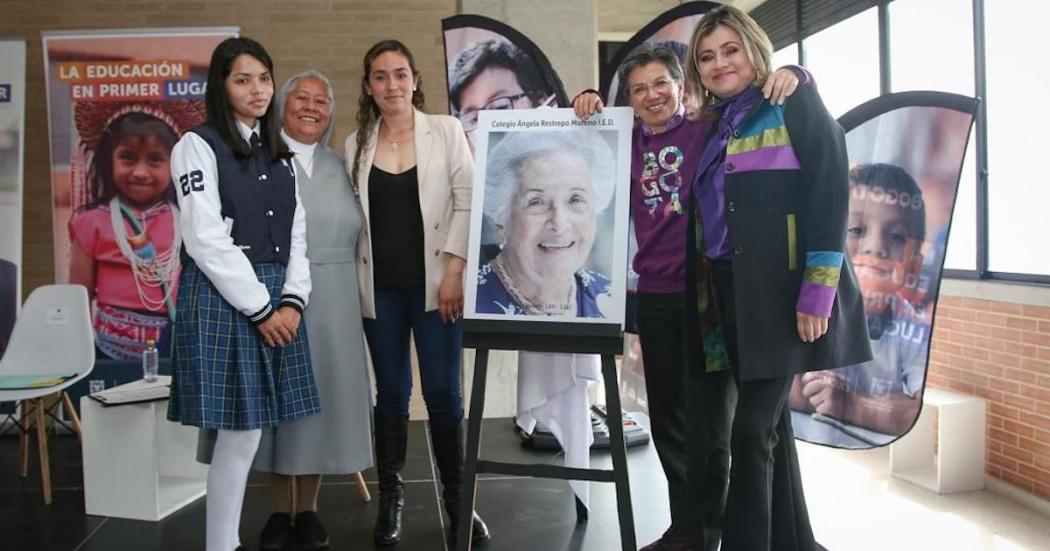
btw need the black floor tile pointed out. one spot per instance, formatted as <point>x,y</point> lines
<point>523,514</point>
<point>526,514</point>
<point>67,469</point>
<point>500,442</point>
<point>180,531</point>
<point>27,524</point>
<point>349,520</point>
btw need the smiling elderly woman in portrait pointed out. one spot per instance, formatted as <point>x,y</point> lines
<point>544,192</point>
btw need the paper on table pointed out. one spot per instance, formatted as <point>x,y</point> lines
<point>135,393</point>
<point>22,382</point>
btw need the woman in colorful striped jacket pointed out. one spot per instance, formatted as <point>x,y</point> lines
<point>776,297</point>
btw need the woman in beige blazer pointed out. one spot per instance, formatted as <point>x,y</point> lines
<point>413,173</point>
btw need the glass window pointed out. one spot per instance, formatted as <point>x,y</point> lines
<point>940,57</point>
<point>788,55</point>
<point>1018,194</point>
<point>844,59</point>
<point>932,57</point>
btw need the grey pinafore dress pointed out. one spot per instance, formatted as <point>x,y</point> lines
<point>339,440</point>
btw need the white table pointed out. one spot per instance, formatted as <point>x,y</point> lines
<point>137,464</point>
<point>944,451</point>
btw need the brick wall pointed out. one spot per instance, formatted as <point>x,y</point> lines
<point>327,35</point>
<point>1001,352</point>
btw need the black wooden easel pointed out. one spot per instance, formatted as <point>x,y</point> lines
<point>570,338</point>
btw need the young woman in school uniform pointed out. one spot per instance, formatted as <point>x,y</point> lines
<point>241,361</point>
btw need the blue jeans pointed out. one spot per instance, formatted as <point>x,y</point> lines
<point>438,346</point>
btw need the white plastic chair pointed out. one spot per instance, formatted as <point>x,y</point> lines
<point>52,335</point>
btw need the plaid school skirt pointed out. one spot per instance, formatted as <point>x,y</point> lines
<point>223,374</point>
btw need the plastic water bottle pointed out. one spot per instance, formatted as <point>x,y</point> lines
<point>150,362</point>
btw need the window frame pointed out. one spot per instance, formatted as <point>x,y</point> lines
<point>980,271</point>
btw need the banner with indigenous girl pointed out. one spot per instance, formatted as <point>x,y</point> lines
<point>117,103</point>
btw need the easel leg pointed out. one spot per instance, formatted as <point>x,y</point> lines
<point>470,469</point>
<point>618,447</point>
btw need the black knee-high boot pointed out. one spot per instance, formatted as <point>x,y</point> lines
<point>391,438</point>
<point>448,451</point>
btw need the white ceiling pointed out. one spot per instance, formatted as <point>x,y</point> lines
<point>628,16</point>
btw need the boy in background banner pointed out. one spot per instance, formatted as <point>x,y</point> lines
<point>886,229</point>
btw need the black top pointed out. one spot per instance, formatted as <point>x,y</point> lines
<point>397,229</point>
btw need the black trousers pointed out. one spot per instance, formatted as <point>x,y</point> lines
<point>766,507</point>
<point>690,412</point>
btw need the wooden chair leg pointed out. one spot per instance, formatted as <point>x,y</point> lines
<point>45,465</point>
<point>362,489</point>
<point>71,413</point>
<point>23,438</point>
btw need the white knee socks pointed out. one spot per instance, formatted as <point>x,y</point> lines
<point>227,478</point>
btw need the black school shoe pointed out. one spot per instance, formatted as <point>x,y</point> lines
<point>277,534</point>
<point>309,533</point>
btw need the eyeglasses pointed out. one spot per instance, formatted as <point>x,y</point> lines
<point>469,119</point>
<point>660,86</point>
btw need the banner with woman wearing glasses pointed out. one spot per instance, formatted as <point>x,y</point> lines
<point>491,66</point>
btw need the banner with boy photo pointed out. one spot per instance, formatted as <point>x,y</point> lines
<point>906,155</point>
<point>118,101</point>
<point>12,123</point>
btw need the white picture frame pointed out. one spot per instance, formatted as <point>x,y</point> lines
<point>573,219</point>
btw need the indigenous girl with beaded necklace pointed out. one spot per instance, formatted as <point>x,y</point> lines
<point>125,243</point>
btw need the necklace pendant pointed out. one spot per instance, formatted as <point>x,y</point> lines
<point>393,145</point>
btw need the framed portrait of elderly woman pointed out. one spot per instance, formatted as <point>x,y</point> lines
<point>549,227</point>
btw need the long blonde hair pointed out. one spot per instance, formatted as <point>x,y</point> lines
<point>367,110</point>
<point>756,44</point>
